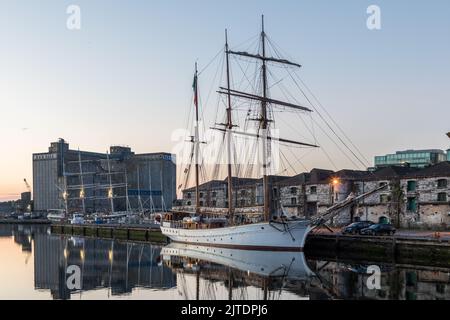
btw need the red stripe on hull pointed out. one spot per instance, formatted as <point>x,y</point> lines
<point>242,247</point>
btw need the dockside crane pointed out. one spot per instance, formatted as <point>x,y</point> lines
<point>321,220</point>
<point>27,185</point>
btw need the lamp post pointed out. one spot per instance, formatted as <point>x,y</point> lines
<point>334,184</point>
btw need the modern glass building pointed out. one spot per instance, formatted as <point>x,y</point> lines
<point>413,158</point>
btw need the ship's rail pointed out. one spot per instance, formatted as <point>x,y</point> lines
<point>173,224</point>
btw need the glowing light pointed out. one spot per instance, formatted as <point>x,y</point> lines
<point>82,194</point>
<point>110,255</point>
<point>82,254</point>
<point>110,193</point>
<point>64,195</point>
<point>65,253</point>
<point>335,181</point>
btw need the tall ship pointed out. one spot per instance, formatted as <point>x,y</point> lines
<point>274,231</point>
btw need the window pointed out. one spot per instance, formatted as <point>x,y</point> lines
<point>384,198</point>
<point>442,197</point>
<point>189,195</point>
<point>201,203</point>
<point>442,183</point>
<point>214,194</point>
<point>381,184</point>
<point>214,203</point>
<point>242,203</point>
<point>275,192</point>
<point>189,203</point>
<point>412,186</point>
<point>411,205</point>
<point>201,194</point>
<point>293,201</point>
<point>293,190</point>
<point>313,190</point>
<point>243,193</point>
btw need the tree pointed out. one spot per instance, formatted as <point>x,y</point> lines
<point>396,201</point>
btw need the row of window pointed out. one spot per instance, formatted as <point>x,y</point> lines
<point>384,198</point>
<point>214,194</point>
<point>412,185</point>
<point>243,203</point>
<point>411,204</point>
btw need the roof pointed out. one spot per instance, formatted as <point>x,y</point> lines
<point>390,172</point>
<point>319,176</point>
<point>442,169</point>
<point>214,184</point>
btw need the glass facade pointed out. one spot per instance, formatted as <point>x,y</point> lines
<point>415,158</point>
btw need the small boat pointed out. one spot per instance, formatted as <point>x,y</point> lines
<point>77,219</point>
<point>56,215</point>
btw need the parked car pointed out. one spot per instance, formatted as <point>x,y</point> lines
<point>379,230</point>
<point>356,227</point>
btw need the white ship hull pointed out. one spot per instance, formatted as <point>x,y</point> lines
<point>259,236</point>
<point>263,263</point>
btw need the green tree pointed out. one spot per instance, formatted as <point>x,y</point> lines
<point>396,202</point>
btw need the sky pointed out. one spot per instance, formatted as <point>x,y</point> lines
<point>125,77</point>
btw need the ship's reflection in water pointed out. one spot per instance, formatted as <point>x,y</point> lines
<point>124,270</point>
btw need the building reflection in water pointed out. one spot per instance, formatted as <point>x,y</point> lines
<point>348,280</point>
<point>118,266</point>
<point>211,273</point>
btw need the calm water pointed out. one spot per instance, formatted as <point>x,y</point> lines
<point>37,265</point>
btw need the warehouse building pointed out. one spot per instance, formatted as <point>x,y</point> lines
<point>119,180</point>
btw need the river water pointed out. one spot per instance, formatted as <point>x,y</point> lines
<point>35,264</point>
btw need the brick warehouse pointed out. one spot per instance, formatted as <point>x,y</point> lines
<point>413,198</point>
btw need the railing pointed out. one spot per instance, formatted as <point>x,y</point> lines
<point>172,224</point>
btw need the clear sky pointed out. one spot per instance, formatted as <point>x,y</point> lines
<point>125,77</point>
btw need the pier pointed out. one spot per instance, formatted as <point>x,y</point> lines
<point>120,232</point>
<point>415,248</point>
<point>32,221</point>
<point>409,248</point>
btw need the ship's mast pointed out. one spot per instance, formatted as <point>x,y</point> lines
<point>264,126</point>
<point>229,132</point>
<point>111,189</point>
<point>141,207</point>
<point>82,191</point>
<point>264,117</point>
<point>196,145</point>
<point>66,191</point>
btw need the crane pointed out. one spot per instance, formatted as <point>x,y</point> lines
<point>335,210</point>
<point>27,185</point>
